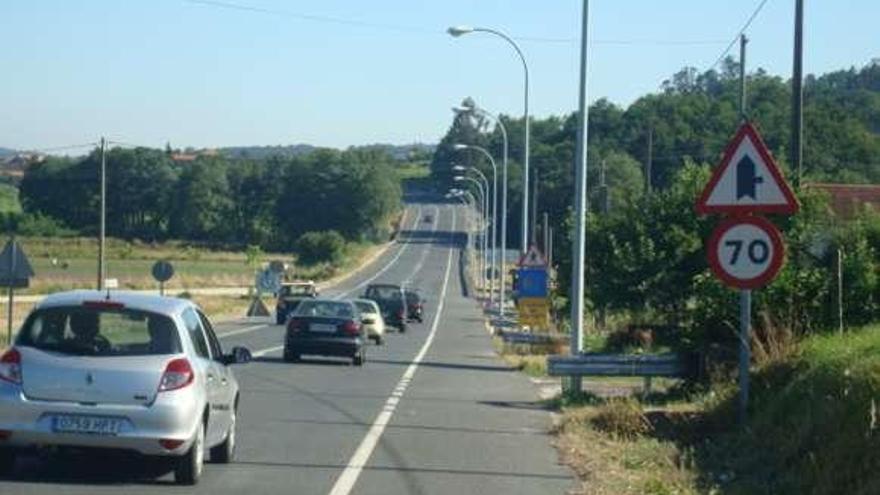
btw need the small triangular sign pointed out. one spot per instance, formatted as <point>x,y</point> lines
<point>532,258</point>
<point>747,180</point>
<point>258,308</point>
<point>14,264</point>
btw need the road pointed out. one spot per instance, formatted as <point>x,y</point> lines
<point>433,411</point>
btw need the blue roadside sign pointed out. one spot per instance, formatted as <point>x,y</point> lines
<point>532,282</point>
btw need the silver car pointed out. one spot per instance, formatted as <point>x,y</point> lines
<point>123,371</point>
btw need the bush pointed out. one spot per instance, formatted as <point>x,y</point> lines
<point>622,418</point>
<point>320,247</point>
<point>33,224</point>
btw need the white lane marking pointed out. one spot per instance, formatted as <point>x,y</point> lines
<point>384,269</point>
<point>346,481</point>
<point>263,352</point>
<point>240,331</point>
<point>425,251</point>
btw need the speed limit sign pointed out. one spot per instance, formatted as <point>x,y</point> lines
<point>745,252</point>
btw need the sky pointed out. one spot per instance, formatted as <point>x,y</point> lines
<point>337,73</point>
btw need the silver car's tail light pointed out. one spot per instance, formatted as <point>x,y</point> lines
<point>170,444</point>
<point>10,366</point>
<point>178,374</point>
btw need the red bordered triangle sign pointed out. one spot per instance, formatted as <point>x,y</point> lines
<point>532,258</point>
<point>747,180</point>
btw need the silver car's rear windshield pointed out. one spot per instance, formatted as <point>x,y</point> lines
<point>86,331</point>
<point>365,307</point>
<point>326,309</point>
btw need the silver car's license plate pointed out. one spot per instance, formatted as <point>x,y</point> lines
<point>90,425</point>
<point>322,328</point>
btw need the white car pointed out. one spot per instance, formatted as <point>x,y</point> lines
<point>371,319</point>
<point>120,370</point>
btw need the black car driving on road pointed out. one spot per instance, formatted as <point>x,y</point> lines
<point>325,327</point>
<point>392,302</point>
<point>415,305</point>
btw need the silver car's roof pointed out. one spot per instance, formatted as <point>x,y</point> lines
<point>135,300</point>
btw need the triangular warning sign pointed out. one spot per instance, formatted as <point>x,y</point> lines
<point>747,180</point>
<point>13,263</point>
<point>532,258</point>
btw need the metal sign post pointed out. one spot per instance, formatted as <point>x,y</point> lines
<point>746,251</point>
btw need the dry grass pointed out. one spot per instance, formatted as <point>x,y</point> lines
<point>624,460</point>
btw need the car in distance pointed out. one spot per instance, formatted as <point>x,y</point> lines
<point>371,318</point>
<point>290,295</point>
<point>121,371</point>
<point>325,327</point>
<point>391,301</point>
<point>415,305</point>
<point>428,218</point>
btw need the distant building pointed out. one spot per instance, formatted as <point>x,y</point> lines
<point>846,200</point>
<point>15,165</point>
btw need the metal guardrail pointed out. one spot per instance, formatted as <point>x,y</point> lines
<point>647,365</point>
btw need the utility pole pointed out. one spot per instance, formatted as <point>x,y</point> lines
<point>102,230</point>
<point>745,295</point>
<point>649,164</point>
<point>580,210</point>
<point>546,234</point>
<point>534,202</point>
<point>797,96</point>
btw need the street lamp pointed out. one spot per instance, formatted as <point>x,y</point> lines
<point>457,31</point>
<point>487,222</point>
<point>483,201</point>
<point>464,196</point>
<point>503,220</point>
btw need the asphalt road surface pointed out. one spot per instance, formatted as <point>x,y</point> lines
<point>433,411</point>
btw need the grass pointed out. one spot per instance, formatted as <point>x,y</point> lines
<point>63,264</point>
<point>814,428</point>
<point>9,199</point>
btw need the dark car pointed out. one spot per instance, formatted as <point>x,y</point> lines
<point>428,218</point>
<point>392,303</point>
<point>325,327</point>
<point>415,306</point>
<point>290,295</point>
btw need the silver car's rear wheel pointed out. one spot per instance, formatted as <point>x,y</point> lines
<point>7,461</point>
<point>189,467</point>
<point>225,452</point>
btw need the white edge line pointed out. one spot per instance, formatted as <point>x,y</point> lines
<point>346,481</point>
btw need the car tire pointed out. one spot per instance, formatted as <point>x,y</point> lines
<point>188,468</point>
<point>403,328</point>
<point>359,358</point>
<point>279,318</point>
<point>225,452</point>
<point>7,461</point>
<point>378,340</point>
<point>290,356</point>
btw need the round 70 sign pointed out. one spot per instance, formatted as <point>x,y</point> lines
<point>746,252</point>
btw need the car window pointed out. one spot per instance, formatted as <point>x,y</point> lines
<point>365,307</point>
<point>213,341</point>
<point>325,309</point>
<point>196,334</point>
<point>111,331</point>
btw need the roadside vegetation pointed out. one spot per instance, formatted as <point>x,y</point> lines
<point>649,290</point>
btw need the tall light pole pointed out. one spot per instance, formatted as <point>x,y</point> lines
<point>102,275</point>
<point>457,31</point>
<point>503,219</point>
<point>487,221</point>
<point>580,166</point>
<point>483,201</point>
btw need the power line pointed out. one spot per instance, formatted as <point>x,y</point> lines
<point>421,30</point>
<point>740,33</point>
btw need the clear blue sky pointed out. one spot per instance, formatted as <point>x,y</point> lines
<point>148,72</point>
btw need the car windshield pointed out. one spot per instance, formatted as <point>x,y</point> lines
<point>296,290</point>
<point>79,330</point>
<point>325,309</point>
<point>387,292</point>
<point>366,307</point>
